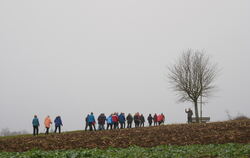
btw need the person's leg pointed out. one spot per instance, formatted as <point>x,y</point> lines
<point>47,130</point>
<point>90,127</point>
<point>34,130</point>
<point>189,120</point>
<point>59,128</point>
<point>37,130</point>
<point>55,129</point>
<point>86,126</point>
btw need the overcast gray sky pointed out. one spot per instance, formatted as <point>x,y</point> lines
<point>69,58</point>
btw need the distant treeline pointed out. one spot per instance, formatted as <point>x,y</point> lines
<point>7,132</point>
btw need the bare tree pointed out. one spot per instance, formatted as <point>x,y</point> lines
<point>192,77</point>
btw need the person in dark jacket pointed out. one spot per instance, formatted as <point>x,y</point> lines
<point>129,120</point>
<point>189,115</point>
<point>36,124</point>
<point>86,123</point>
<point>101,121</point>
<point>142,120</point>
<point>150,119</point>
<point>137,119</point>
<point>58,124</point>
<point>155,120</point>
<point>122,120</point>
<point>91,122</point>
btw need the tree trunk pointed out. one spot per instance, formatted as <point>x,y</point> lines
<point>196,111</point>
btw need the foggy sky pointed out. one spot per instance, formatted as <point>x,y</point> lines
<point>70,58</point>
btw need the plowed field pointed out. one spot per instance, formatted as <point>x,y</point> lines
<point>176,134</point>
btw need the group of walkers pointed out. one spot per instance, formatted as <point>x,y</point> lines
<point>115,120</point>
<point>47,124</point>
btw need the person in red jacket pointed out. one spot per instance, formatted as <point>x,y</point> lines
<point>115,120</point>
<point>160,118</point>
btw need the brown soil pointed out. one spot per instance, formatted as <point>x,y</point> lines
<point>177,134</point>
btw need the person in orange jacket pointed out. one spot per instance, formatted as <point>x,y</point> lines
<point>47,123</point>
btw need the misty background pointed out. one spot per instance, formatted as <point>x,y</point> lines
<point>71,58</point>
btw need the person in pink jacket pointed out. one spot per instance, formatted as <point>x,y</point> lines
<point>47,123</point>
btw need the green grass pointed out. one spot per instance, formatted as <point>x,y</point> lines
<point>191,151</point>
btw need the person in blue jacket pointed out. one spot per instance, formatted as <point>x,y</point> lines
<point>122,120</point>
<point>91,121</point>
<point>109,122</point>
<point>58,124</point>
<point>35,123</point>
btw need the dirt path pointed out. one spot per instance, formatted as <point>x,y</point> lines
<point>180,134</point>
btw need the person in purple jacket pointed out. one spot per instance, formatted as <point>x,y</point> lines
<point>58,124</point>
